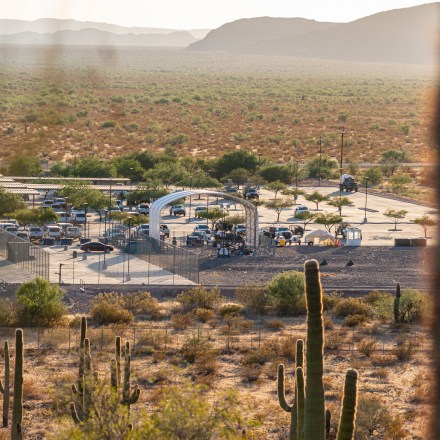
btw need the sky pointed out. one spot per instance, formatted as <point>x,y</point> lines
<point>194,14</point>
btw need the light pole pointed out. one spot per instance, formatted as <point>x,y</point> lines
<point>342,132</point>
<point>59,273</point>
<point>128,276</point>
<point>85,221</point>
<point>366,196</point>
<point>105,224</point>
<point>320,158</point>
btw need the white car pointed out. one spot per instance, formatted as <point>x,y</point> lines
<point>78,217</point>
<point>239,229</point>
<point>143,209</point>
<point>35,232</point>
<point>144,228</point>
<point>53,232</point>
<point>63,217</point>
<point>47,204</point>
<point>73,232</point>
<point>301,208</point>
<point>22,234</point>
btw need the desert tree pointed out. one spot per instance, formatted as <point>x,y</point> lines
<point>278,205</point>
<point>340,202</point>
<point>395,215</point>
<point>306,217</point>
<point>328,220</point>
<point>276,187</point>
<point>316,197</point>
<point>425,222</point>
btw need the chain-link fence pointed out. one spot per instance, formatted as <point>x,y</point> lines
<point>24,254</point>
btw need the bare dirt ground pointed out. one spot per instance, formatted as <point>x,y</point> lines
<point>374,267</point>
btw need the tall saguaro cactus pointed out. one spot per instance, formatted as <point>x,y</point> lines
<point>5,387</point>
<point>312,420</point>
<point>293,409</point>
<point>314,414</point>
<point>83,336</point>
<point>17,408</point>
<point>349,402</point>
<point>129,397</point>
<point>397,304</point>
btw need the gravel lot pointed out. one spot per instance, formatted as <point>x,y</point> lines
<point>374,267</point>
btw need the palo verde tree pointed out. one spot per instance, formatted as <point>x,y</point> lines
<point>276,187</point>
<point>305,217</point>
<point>34,216</point>
<point>25,165</point>
<point>294,192</point>
<point>391,161</point>
<point>273,172</point>
<point>425,222</point>
<point>396,215</point>
<point>340,202</point>
<point>278,205</point>
<point>236,159</point>
<point>213,215</point>
<point>328,220</point>
<point>316,197</point>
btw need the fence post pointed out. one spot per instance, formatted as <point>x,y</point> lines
<point>352,343</point>
<point>69,339</point>
<point>134,337</point>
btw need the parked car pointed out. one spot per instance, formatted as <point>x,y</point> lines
<point>79,218</point>
<point>58,207</point>
<point>301,208</point>
<point>35,233</point>
<point>177,210</point>
<point>47,203</point>
<point>120,205</point>
<point>143,209</point>
<point>73,232</point>
<point>11,229</point>
<point>204,228</point>
<point>239,229</point>
<point>61,201</point>
<point>144,228</point>
<point>24,235</point>
<point>199,210</point>
<point>8,225</point>
<point>96,246</point>
<point>53,232</point>
<point>63,217</point>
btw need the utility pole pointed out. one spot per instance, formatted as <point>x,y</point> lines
<point>366,195</point>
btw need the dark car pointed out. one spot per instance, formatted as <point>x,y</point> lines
<point>97,246</point>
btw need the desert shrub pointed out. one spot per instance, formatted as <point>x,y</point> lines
<point>8,313</point>
<point>193,348</point>
<point>275,324</point>
<point>287,348</point>
<point>335,339</point>
<point>254,299</point>
<point>413,305</point>
<point>351,306</point>
<point>286,293</point>
<point>405,349</point>
<point>40,303</point>
<point>330,300</point>
<point>205,365</point>
<point>109,308</point>
<point>250,373</point>
<point>230,310</point>
<point>354,320</point>
<point>141,303</point>
<point>259,356</point>
<point>372,415</point>
<point>181,321</point>
<point>204,315</point>
<point>200,297</point>
<point>367,346</point>
<point>328,323</point>
<point>109,124</point>
<point>382,304</point>
<point>187,413</point>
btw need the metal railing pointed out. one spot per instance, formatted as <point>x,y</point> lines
<point>24,254</point>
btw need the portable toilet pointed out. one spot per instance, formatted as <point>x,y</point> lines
<point>353,237</point>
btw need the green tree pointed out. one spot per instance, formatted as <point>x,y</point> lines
<point>396,215</point>
<point>213,215</point>
<point>35,216</point>
<point>340,202</point>
<point>316,197</point>
<point>41,303</point>
<point>399,183</point>
<point>151,190</point>
<point>92,166</point>
<point>328,220</point>
<point>306,217</point>
<point>10,202</point>
<point>425,222</point>
<point>24,165</point>
<point>374,175</point>
<point>130,168</point>
<point>169,173</point>
<point>273,172</point>
<point>295,192</point>
<point>286,293</point>
<point>239,176</point>
<point>79,195</point>
<point>236,159</point>
<point>276,187</point>
<point>278,206</point>
<point>391,160</point>
<point>329,167</point>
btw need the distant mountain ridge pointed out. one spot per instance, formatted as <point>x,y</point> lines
<point>408,35</point>
<point>66,31</point>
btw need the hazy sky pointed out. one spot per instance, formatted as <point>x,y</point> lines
<point>188,14</point>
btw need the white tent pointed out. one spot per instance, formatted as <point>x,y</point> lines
<point>321,235</point>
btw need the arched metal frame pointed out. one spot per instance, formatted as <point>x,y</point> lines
<point>250,211</point>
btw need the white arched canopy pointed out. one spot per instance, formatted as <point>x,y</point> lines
<point>250,211</point>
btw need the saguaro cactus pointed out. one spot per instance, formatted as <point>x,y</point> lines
<point>129,397</point>
<point>349,403</point>
<point>397,304</point>
<point>83,336</point>
<point>293,409</point>
<point>314,413</point>
<point>5,388</point>
<point>17,408</point>
<point>300,398</point>
<point>80,411</point>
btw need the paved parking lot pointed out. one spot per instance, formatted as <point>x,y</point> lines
<point>112,268</point>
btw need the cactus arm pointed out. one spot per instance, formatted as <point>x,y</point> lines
<point>6,388</point>
<point>348,413</point>
<point>17,409</point>
<point>134,396</point>
<point>74,414</point>
<point>300,396</point>
<point>314,415</point>
<point>299,353</point>
<point>118,357</point>
<point>113,375</point>
<point>2,390</point>
<point>397,304</point>
<point>281,390</point>
<point>83,336</point>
